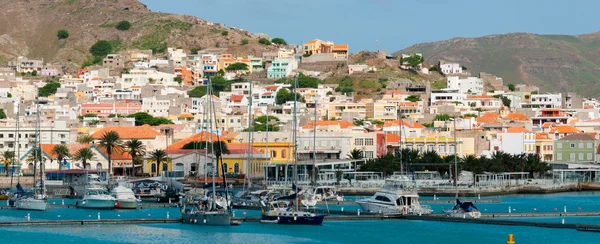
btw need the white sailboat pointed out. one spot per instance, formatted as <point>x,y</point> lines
<point>207,212</point>
<point>37,201</point>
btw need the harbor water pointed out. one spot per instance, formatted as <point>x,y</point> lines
<point>366,231</point>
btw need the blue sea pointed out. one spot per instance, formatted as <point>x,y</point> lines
<point>389,231</point>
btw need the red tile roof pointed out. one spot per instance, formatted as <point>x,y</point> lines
<point>342,123</point>
<point>129,132</point>
<point>564,129</point>
<point>517,117</point>
<point>202,136</point>
<point>340,47</point>
<point>414,125</point>
<point>236,98</point>
<point>517,129</point>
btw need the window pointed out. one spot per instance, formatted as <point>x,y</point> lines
<point>193,167</point>
<point>572,156</point>
<point>382,198</point>
<point>572,145</point>
<point>11,135</point>
<point>430,147</point>
<point>442,149</point>
<point>368,154</point>
<point>589,145</point>
<point>236,168</point>
<point>420,148</point>
<point>99,166</point>
<point>580,156</point>
<point>452,148</point>
<point>225,168</point>
<point>153,168</point>
<point>589,157</point>
<point>358,142</point>
<point>558,145</point>
<point>559,156</point>
<point>283,153</point>
<point>369,142</point>
<point>581,145</point>
<point>273,154</point>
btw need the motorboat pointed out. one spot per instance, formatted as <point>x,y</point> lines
<point>125,198</point>
<point>198,214</point>
<point>251,198</point>
<point>398,196</point>
<point>97,199</point>
<point>280,212</point>
<point>465,210</point>
<point>327,193</point>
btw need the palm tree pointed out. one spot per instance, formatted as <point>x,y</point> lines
<point>85,139</point>
<point>135,148</point>
<point>111,142</point>
<point>61,151</point>
<point>84,155</point>
<point>355,154</point>
<point>158,156</point>
<point>8,157</point>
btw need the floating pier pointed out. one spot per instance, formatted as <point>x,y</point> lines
<point>91,222</point>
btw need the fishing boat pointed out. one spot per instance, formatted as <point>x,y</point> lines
<point>37,199</point>
<point>398,196</point>
<point>206,211</point>
<point>125,198</point>
<point>465,210</point>
<point>279,210</point>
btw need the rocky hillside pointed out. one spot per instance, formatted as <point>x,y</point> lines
<point>29,28</point>
<point>555,63</point>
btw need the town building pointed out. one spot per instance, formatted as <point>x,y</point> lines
<point>575,148</point>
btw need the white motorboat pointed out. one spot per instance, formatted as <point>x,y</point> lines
<point>280,212</point>
<point>97,199</point>
<point>125,198</point>
<point>465,210</point>
<point>398,196</point>
<point>327,193</point>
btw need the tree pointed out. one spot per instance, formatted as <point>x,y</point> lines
<point>135,148</point>
<point>284,95</point>
<point>221,72</point>
<point>48,89</point>
<point>2,114</point>
<point>85,139</point>
<point>237,67</point>
<point>84,155</point>
<point>433,68</point>
<point>35,155</point>
<point>413,98</point>
<point>178,79</point>
<point>159,156</point>
<point>111,142</point>
<point>224,33</point>
<point>143,118</point>
<point>279,41</point>
<point>264,41</point>
<point>101,48</point>
<point>442,117</point>
<point>511,87</point>
<point>8,157</point>
<point>306,81</point>
<point>355,154</point>
<point>244,41</point>
<point>61,151</point>
<point>505,100</point>
<point>8,95</point>
<point>463,67</point>
<point>413,61</point>
<point>260,123</point>
<point>34,73</point>
<point>62,34</point>
<point>198,91</point>
<point>338,175</point>
<point>123,25</point>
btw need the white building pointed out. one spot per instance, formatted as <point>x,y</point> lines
<point>140,77</point>
<point>177,56</point>
<point>469,85</point>
<point>546,100</point>
<point>156,107</point>
<point>514,140</point>
<point>450,68</point>
<point>447,96</point>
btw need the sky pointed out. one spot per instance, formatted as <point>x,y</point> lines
<point>391,25</point>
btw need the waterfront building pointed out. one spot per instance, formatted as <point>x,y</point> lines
<point>575,148</point>
<point>514,140</point>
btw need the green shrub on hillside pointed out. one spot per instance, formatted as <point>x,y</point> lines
<point>62,34</point>
<point>123,25</point>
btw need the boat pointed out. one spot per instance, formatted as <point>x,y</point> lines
<point>465,210</point>
<point>281,213</point>
<point>96,196</point>
<point>125,198</point>
<point>207,211</point>
<point>31,203</point>
<point>398,196</point>
<point>250,198</point>
<point>327,193</point>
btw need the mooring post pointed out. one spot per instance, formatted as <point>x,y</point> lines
<point>511,239</point>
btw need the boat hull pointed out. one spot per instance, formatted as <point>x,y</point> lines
<point>31,204</point>
<point>127,204</point>
<point>293,220</point>
<point>96,204</point>
<point>463,215</point>
<point>378,208</point>
<point>208,218</point>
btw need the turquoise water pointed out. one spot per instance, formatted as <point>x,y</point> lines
<point>391,231</point>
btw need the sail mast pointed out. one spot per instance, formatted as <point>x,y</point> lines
<point>209,121</point>
<point>295,127</point>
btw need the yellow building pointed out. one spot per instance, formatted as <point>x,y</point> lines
<point>312,47</point>
<point>235,161</point>
<point>340,51</point>
<point>151,167</point>
<point>356,110</point>
<point>544,146</point>
<point>381,111</point>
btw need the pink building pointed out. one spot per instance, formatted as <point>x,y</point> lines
<point>105,109</point>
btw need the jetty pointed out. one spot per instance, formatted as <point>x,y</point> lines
<point>90,222</point>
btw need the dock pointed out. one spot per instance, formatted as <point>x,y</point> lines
<point>141,206</point>
<point>91,222</point>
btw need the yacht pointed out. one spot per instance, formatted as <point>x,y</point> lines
<point>398,196</point>
<point>96,196</point>
<point>327,193</point>
<point>250,198</point>
<point>125,198</point>
<point>31,203</point>
<point>465,210</point>
<point>280,213</point>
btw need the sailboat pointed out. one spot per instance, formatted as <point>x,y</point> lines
<point>280,212</point>
<point>36,201</point>
<point>206,211</point>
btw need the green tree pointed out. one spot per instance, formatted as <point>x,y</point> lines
<point>284,95</point>
<point>505,100</point>
<point>198,91</point>
<point>279,41</point>
<point>224,33</point>
<point>2,114</point>
<point>8,157</point>
<point>101,48</point>
<point>237,67</point>
<point>511,87</point>
<point>62,34</point>
<point>123,25</point>
<point>61,152</point>
<point>413,98</point>
<point>307,81</point>
<point>143,118</point>
<point>463,67</point>
<point>8,95</point>
<point>244,41</point>
<point>433,68</point>
<point>442,117</point>
<point>35,155</point>
<point>48,89</point>
<point>34,73</point>
<point>195,50</point>
<point>221,72</point>
<point>178,79</point>
<point>85,139</point>
<point>264,41</point>
<point>111,142</point>
<point>159,156</point>
<point>84,155</point>
<point>355,154</point>
<point>413,61</point>
<point>260,123</point>
<point>136,149</point>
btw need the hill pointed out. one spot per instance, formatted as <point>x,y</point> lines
<point>555,63</point>
<point>29,28</point>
